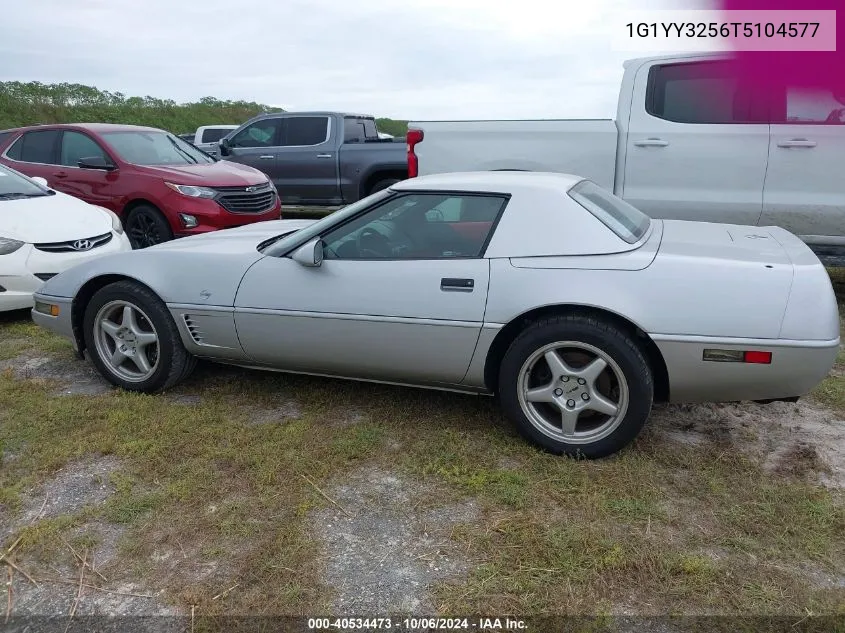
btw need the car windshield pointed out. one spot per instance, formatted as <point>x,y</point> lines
<point>154,148</point>
<point>15,185</point>
<point>625,220</point>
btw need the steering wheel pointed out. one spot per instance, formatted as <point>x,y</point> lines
<point>372,244</point>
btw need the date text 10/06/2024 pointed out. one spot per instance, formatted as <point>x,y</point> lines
<point>423,624</point>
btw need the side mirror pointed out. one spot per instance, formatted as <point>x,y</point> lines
<point>41,181</point>
<point>225,148</point>
<point>309,254</point>
<point>95,162</point>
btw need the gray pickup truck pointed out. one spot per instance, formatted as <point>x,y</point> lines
<point>318,158</point>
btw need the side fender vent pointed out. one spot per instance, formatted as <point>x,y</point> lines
<point>193,329</point>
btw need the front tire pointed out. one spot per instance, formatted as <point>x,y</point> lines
<point>146,226</point>
<point>576,385</point>
<point>132,339</point>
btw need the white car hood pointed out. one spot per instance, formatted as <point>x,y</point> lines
<point>56,218</point>
<point>242,238</point>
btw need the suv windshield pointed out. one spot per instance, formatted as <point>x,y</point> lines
<point>625,220</point>
<point>14,185</point>
<point>154,148</point>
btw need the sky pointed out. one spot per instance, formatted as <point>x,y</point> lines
<point>406,59</point>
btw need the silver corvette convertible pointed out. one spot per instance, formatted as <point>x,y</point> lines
<point>571,305</point>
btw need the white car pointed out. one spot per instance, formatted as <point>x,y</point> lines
<point>44,232</point>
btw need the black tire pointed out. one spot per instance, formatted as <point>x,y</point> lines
<point>380,185</point>
<point>146,226</point>
<point>173,362</point>
<point>605,337</point>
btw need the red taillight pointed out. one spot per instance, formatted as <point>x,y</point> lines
<point>762,358</point>
<point>413,137</point>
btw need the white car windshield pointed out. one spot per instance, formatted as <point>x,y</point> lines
<point>14,185</point>
<point>154,148</point>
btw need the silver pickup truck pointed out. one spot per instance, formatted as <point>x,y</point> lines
<point>690,141</point>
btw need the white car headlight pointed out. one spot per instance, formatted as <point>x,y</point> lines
<point>8,245</point>
<point>191,191</point>
<point>116,224</point>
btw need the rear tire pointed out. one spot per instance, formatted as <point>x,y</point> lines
<point>381,185</point>
<point>133,341</point>
<point>146,226</point>
<point>576,385</point>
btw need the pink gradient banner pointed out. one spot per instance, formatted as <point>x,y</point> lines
<point>798,30</point>
<point>807,69</point>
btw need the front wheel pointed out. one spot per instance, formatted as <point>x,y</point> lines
<point>576,385</point>
<point>146,226</point>
<point>132,339</point>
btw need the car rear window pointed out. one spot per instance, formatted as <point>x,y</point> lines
<point>625,220</point>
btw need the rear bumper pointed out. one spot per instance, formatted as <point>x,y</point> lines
<point>796,368</point>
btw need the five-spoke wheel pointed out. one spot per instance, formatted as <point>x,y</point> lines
<point>576,385</point>
<point>126,339</point>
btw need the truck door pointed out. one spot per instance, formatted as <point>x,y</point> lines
<point>697,144</point>
<point>805,191</point>
<point>307,160</point>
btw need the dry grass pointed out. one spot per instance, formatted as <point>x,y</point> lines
<point>695,529</point>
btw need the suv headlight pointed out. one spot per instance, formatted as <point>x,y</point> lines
<point>191,191</point>
<point>116,224</point>
<point>8,245</point>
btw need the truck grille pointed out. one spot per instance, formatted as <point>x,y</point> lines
<point>75,246</point>
<point>253,199</point>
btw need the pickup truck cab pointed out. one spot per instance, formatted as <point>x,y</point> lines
<point>207,137</point>
<point>690,141</point>
<point>318,158</point>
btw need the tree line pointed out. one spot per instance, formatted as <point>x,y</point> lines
<point>33,102</point>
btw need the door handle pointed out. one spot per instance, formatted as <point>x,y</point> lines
<point>797,142</point>
<point>266,157</point>
<point>651,142</point>
<point>60,174</point>
<point>453,284</point>
<point>324,155</point>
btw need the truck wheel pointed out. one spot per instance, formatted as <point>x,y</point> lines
<point>382,184</point>
<point>146,226</point>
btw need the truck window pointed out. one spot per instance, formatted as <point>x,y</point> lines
<point>700,92</point>
<point>353,131</point>
<point>625,220</point>
<point>810,105</point>
<point>259,134</point>
<point>214,134</point>
<point>306,130</point>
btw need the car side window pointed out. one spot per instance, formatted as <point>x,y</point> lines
<point>76,146</point>
<point>808,105</point>
<point>700,92</point>
<point>264,133</point>
<point>36,147</point>
<point>418,226</point>
<point>306,130</point>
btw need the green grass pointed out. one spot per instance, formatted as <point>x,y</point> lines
<point>694,528</point>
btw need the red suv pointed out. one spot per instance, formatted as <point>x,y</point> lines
<point>159,185</point>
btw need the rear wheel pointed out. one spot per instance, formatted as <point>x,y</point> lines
<point>146,226</point>
<point>382,184</point>
<point>132,339</point>
<point>576,385</point>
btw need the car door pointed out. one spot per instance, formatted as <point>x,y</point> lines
<point>35,153</point>
<point>805,191</point>
<point>256,145</point>
<point>307,161</point>
<point>697,144</point>
<point>399,297</point>
<point>95,186</point>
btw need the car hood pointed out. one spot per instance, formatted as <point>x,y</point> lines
<point>219,174</point>
<point>54,218</point>
<point>242,238</point>
<point>203,269</point>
